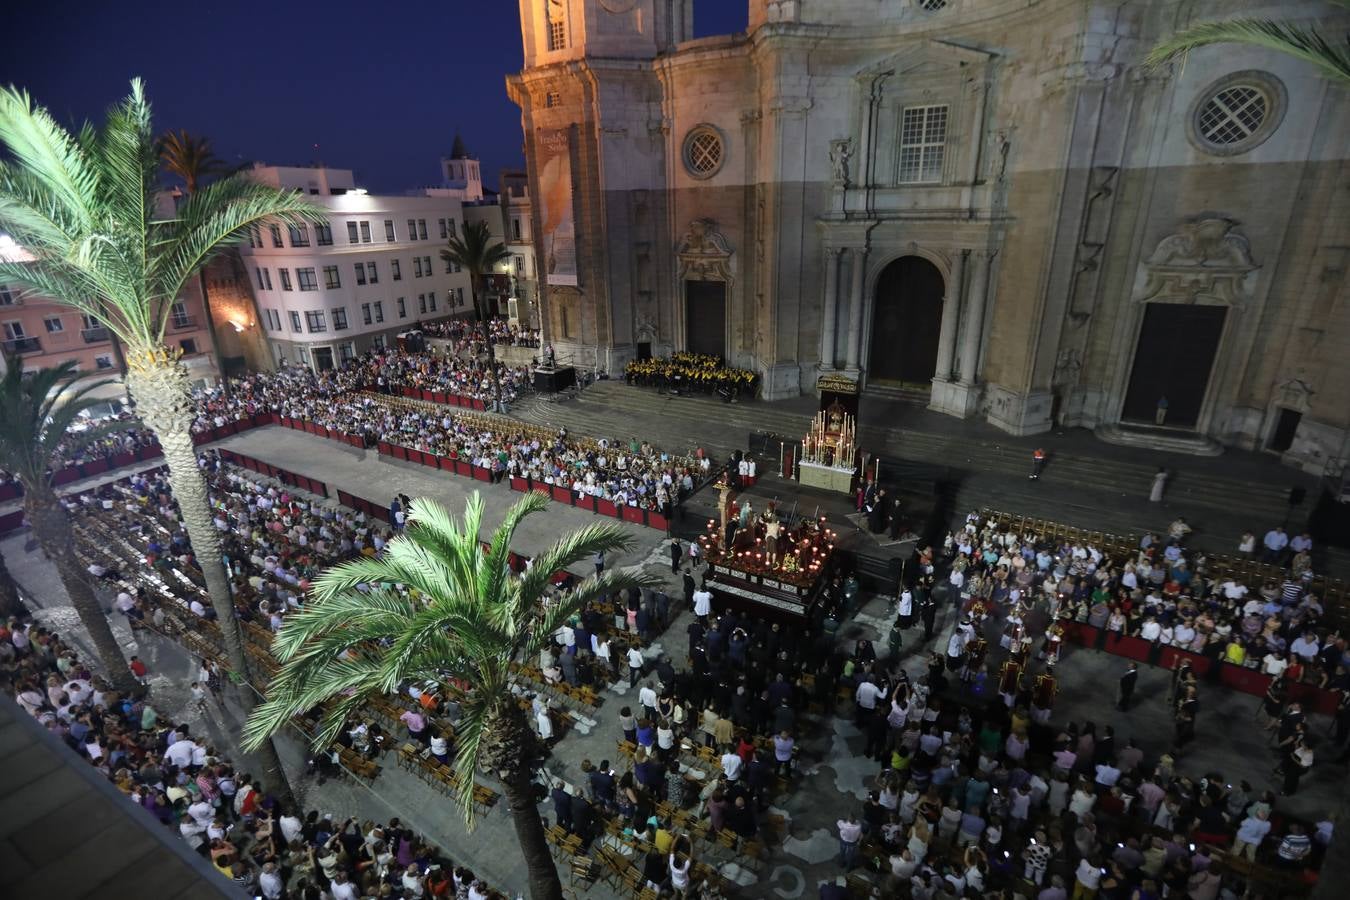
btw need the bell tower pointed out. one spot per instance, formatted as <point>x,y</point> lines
<point>560,30</point>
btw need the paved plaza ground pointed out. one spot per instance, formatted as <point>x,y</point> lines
<point>835,777</point>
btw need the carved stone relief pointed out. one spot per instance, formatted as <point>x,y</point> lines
<point>1205,261</point>
<point>704,253</point>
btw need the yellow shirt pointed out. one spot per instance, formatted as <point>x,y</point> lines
<point>1235,653</point>
<point>664,840</point>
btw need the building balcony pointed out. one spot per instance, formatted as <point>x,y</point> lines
<point>182,323</point>
<point>94,335</point>
<point>23,345</point>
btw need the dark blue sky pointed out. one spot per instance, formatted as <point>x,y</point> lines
<point>379,87</point>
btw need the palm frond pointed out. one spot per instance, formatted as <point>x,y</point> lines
<point>355,614</point>
<point>287,698</point>
<point>127,165</point>
<point>30,213</point>
<point>1331,57</point>
<point>46,150</point>
<point>573,547</point>
<point>211,219</point>
<point>36,411</point>
<point>574,601</point>
<point>189,157</point>
<point>475,250</point>
<point>494,578</point>
<point>470,732</point>
<point>454,545</point>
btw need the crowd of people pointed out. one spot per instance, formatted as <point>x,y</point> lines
<point>267,848</point>
<point>468,336</point>
<point>300,392</point>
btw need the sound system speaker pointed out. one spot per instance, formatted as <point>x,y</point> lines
<point>554,381</point>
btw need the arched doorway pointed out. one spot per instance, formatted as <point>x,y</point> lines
<point>906,323</point>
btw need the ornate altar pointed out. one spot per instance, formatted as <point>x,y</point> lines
<point>829,450</point>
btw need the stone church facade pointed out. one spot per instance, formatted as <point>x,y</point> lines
<point>992,205</point>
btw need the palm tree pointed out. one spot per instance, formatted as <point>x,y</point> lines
<point>190,158</point>
<point>465,617</point>
<point>10,603</point>
<point>36,412</point>
<point>476,252</point>
<point>1330,54</point>
<point>85,207</point>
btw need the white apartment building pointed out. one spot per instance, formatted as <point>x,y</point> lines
<point>514,198</point>
<point>327,293</point>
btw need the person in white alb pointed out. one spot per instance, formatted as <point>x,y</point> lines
<point>703,605</point>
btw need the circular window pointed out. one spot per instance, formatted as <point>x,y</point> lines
<point>932,5</point>
<point>703,151</point>
<point>1237,113</point>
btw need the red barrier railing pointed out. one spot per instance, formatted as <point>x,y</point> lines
<point>1239,678</point>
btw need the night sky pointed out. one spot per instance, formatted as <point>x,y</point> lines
<point>379,87</point>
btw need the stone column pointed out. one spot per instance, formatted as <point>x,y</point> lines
<point>970,337</point>
<point>951,311</point>
<point>830,313</point>
<point>857,256</point>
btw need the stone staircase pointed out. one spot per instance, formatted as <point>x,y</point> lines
<point>1085,489</point>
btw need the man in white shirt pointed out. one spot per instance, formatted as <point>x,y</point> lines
<point>291,827</point>
<point>647,697</point>
<point>731,766</point>
<point>1151,629</point>
<point>635,664</point>
<point>342,889</point>
<point>866,697</point>
<point>180,753</point>
<point>202,812</point>
<point>1275,541</point>
<point>270,883</point>
<point>1107,775</point>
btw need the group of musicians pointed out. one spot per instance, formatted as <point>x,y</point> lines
<point>968,650</point>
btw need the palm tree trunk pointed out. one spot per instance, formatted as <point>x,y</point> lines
<point>54,534</point>
<point>159,383</point>
<point>211,333</point>
<point>491,350</point>
<point>160,387</point>
<point>519,793</point>
<point>10,604</point>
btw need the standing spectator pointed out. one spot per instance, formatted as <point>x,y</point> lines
<point>1126,687</point>
<point>635,664</point>
<point>850,833</point>
<point>417,726</point>
<point>1155,494</point>
<point>1037,463</point>
<point>1275,543</point>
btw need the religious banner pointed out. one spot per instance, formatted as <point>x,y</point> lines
<point>555,187</point>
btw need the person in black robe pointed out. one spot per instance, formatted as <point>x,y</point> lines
<point>896,520</point>
<point>876,517</point>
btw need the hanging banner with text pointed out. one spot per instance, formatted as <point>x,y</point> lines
<point>555,187</point>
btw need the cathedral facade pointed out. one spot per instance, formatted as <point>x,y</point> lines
<point>990,205</point>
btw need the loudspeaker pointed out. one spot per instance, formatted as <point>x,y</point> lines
<point>1297,495</point>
